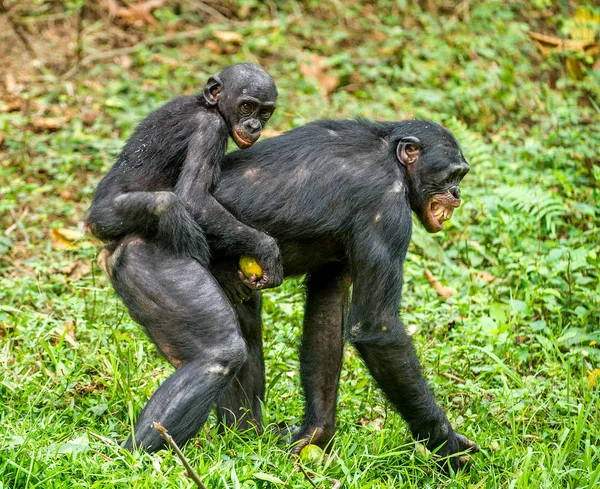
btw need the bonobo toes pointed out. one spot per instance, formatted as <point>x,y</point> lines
<point>311,435</point>
<point>454,444</point>
<point>269,258</point>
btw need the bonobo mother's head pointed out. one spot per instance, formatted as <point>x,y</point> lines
<point>435,166</point>
<point>245,96</point>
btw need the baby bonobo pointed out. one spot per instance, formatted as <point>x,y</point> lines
<point>159,187</point>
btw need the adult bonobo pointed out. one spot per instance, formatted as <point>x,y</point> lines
<point>159,187</point>
<point>339,204</point>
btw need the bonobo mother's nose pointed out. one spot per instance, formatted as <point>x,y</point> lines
<point>455,191</point>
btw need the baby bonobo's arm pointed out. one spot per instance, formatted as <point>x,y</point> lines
<point>205,152</point>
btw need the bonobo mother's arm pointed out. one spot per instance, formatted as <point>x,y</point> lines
<point>200,172</point>
<point>377,252</point>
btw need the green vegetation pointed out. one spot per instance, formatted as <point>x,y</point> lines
<point>512,354</point>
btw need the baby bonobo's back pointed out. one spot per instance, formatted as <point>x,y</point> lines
<point>159,186</point>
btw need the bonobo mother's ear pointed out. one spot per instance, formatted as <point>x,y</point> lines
<point>212,90</point>
<point>408,150</point>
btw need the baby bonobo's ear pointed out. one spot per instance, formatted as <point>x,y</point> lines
<point>212,90</point>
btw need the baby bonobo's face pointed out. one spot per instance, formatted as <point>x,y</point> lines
<point>246,97</point>
<point>253,108</point>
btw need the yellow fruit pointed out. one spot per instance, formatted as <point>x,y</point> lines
<point>311,453</point>
<point>249,267</point>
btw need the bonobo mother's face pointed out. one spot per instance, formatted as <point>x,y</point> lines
<point>435,166</point>
<point>245,95</point>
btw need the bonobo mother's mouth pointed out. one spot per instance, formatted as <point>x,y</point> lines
<point>438,210</point>
<point>241,141</point>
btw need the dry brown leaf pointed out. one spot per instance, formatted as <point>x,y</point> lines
<point>11,103</point>
<point>165,60</point>
<point>66,331</point>
<point>316,67</point>
<point>76,269</point>
<point>136,14</point>
<point>376,424</point>
<point>229,36</point>
<point>87,388</point>
<point>442,290</point>
<point>213,46</point>
<point>485,276</point>
<point>65,238</point>
<point>42,124</point>
<point>548,43</point>
<point>1,138</point>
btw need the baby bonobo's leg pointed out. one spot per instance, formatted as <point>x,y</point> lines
<point>193,325</point>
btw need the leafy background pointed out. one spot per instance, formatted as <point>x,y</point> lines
<point>503,305</point>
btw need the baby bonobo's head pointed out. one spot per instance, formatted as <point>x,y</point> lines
<point>245,96</point>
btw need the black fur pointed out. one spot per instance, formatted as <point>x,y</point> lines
<point>339,202</point>
<point>159,187</point>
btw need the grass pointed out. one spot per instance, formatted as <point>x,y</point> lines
<point>511,355</point>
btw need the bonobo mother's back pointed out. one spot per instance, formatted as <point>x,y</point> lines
<point>311,181</point>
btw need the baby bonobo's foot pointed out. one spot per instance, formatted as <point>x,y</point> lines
<point>253,281</point>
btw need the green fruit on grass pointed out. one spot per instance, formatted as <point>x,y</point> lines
<point>249,267</point>
<point>311,453</point>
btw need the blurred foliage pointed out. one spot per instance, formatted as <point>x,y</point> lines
<point>512,354</point>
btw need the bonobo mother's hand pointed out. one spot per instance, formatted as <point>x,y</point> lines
<point>269,260</point>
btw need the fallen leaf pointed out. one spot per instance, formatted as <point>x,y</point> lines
<point>548,43</point>
<point>66,331</point>
<point>485,276</point>
<point>442,290</point>
<point>76,269</point>
<point>375,424</point>
<point>87,388</point>
<point>316,67</point>
<point>11,103</point>
<point>229,36</point>
<point>1,138</point>
<point>42,124</point>
<point>135,14</point>
<point>213,46</point>
<point>65,238</point>
<point>10,83</point>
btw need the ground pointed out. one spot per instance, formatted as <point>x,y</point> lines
<point>503,304</point>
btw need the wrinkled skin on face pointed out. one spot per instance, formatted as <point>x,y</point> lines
<point>435,167</point>
<point>245,96</point>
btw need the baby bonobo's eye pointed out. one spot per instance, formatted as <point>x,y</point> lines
<point>246,107</point>
<point>266,113</point>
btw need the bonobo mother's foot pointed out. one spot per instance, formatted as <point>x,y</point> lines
<point>447,443</point>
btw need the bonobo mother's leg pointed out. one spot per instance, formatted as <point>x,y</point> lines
<point>240,403</point>
<point>321,353</point>
<point>193,325</point>
<point>392,360</point>
<point>376,331</point>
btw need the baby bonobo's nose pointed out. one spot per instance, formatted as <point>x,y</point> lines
<point>253,125</point>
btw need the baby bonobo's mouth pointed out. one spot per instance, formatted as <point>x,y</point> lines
<point>241,141</point>
<point>439,209</point>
